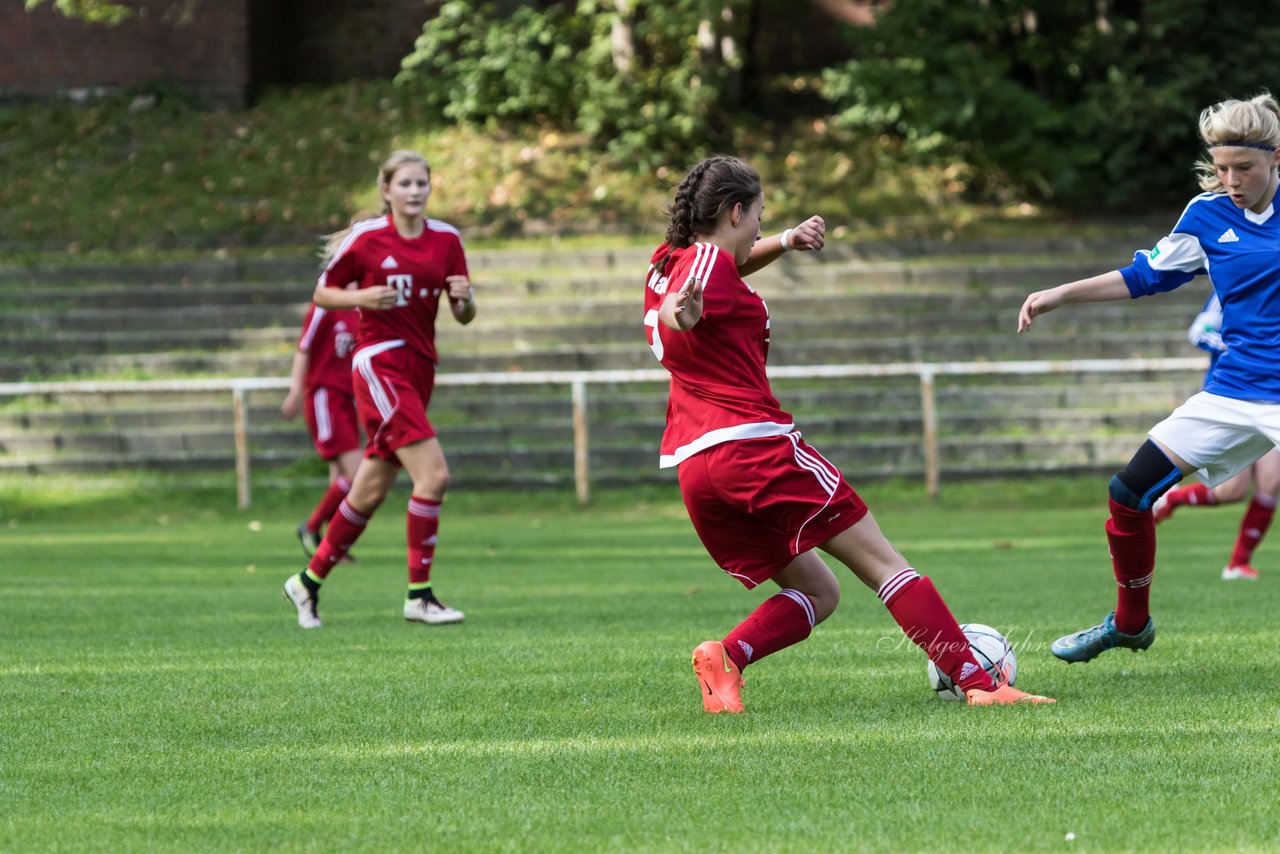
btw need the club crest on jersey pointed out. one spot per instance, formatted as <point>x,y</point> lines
<point>1229,236</point>
<point>389,263</point>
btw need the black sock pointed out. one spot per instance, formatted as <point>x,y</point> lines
<point>308,582</point>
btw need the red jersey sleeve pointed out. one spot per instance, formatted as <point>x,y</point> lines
<point>310,327</point>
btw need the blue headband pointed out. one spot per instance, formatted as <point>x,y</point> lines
<point>1240,143</point>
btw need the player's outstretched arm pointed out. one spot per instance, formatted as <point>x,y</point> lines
<point>808,236</point>
<point>1108,286</point>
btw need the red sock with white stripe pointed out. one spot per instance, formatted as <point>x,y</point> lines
<point>1195,494</point>
<point>925,618</point>
<point>780,621</point>
<point>345,528</point>
<point>329,503</point>
<point>1253,527</point>
<point>1132,537</point>
<point>423,521</point>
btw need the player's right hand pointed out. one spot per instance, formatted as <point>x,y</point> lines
<point>378,297</point>
<point>1037,304</point>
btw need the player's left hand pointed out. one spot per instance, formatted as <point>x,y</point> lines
<point>809,236</point>
<point>459,288</point>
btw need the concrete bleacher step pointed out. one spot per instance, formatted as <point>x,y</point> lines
<point>580,310</point>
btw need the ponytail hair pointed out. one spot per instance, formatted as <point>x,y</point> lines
<point>1254,123</point>
<point>712,187</point>
<point>386,172</point>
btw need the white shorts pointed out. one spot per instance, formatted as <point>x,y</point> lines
<point>1221,436</point>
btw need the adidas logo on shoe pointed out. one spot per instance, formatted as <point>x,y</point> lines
<point>1229,236</point>
<point>389,263</point>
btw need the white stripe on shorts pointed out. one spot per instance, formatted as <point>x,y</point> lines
<point>826,475</point>
<point>362,361</point>
<point>320,402</point>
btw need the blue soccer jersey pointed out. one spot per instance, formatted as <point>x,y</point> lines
<point>1240,251</point>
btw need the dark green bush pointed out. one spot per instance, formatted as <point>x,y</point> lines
<point>1081,102</point>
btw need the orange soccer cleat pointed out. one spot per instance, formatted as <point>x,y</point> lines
<point>1004,695</point>
<point>718,677</point>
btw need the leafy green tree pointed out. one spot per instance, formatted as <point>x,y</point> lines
<point>110,12</point>
<point>650,82</point>
<point>94,11</point>
<point>1080,102</point>
<point>476,64</point>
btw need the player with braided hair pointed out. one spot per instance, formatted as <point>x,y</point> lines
<point>1232,230</point>
<point>761,498</point>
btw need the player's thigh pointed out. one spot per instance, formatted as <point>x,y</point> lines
<point>751,549</point>
<point>1217,435</point>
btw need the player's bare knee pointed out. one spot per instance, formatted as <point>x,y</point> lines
<point>825,605</point>
<point>1148,475</point>
<point>433,486</point>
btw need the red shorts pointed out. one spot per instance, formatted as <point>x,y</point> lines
<point>758,503</point>
<point>393,387</point>
<point>332,422</point>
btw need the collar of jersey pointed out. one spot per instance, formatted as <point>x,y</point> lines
<point>1260,218</point>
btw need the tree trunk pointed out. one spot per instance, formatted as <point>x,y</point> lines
<point>622,37</point>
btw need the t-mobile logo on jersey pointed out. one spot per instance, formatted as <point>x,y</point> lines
<point>403,283</point>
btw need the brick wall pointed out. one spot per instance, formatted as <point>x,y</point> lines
<point>226,52</point>
<point>43,53</point>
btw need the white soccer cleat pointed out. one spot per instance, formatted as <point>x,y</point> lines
<point>431,611</point>
<point>1240,572</point>
<point>303,599</point>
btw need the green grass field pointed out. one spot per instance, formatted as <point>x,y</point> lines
<point>156,694</point>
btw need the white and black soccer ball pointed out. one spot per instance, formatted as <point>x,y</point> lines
<point>990,648</point>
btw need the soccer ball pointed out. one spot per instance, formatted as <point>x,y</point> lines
<point>992,651</point>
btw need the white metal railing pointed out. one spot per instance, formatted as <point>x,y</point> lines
<point>578,381</point>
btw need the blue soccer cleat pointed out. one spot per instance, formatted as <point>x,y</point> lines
<point>1088,644</point>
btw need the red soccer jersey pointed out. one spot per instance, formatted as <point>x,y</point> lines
<point>375,254</point>
<point>329,339</point>
<point>719,388</point>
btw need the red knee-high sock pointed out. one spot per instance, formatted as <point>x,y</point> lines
<point>423,522</point>
<point>1196,494</point>
<point>329,503</point>
<point>1132,537</point>
<point>345,528</point>
<point>784,619</point>
<point>1253,527</point>
<point>920,611</point>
